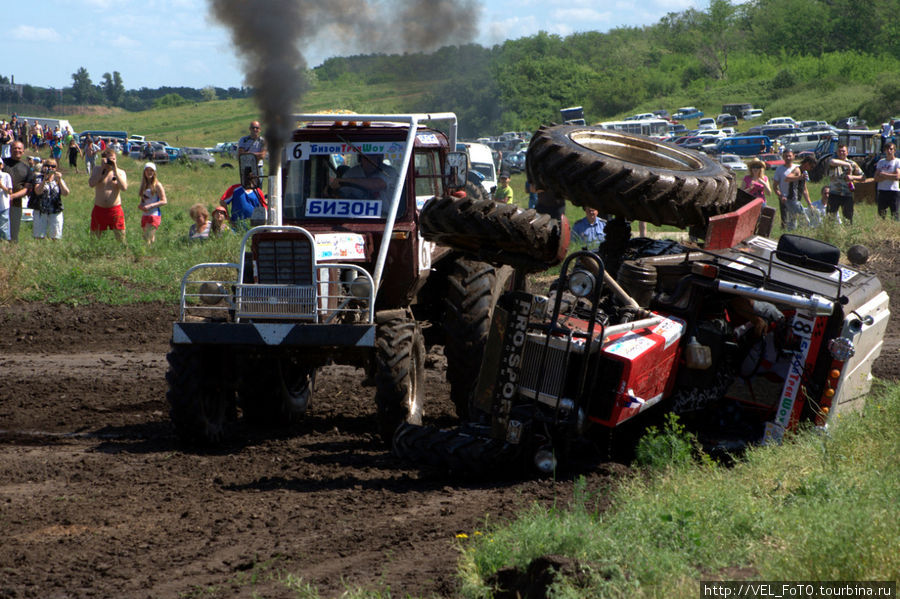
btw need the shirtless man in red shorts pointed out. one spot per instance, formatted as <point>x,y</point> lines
<point>108,181</point>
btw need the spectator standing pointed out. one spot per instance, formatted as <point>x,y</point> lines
<point>590,230</point>
<point>843,174</point>
<point>757,183</point>
<point>200,229</point>
<point>887,182</point>
<point>74,152</point>
<point>108,181</point>
<point>91,149</point>
<point>22,186</point>
<point>531,188</point>
<point>886,134</point>
<point>253,144</point>
<point>48,213</point>
<point>5,191</point>
<point>782,184</point>
<point>503,193</point>
<point>797,192</point>
<point>153,197</point>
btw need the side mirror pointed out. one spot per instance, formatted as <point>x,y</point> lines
<point>457,170</point>
<point>249,169</point>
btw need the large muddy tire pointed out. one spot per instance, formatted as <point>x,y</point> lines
<point>472,291</point>
<point>629,175</point>
<point>494,232</point>
<point>475,192</point>
<point>399,374</point>
<point>201,405</point>
<point>466,450</point>
<point>275,390</point>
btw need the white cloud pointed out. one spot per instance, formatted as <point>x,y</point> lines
<point>27,33</point>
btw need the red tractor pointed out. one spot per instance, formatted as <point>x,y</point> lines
<point>744,337</point>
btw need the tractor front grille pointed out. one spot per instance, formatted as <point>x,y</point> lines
<point>284,278</point>
<point>548,378</point>
<point>284,261</point>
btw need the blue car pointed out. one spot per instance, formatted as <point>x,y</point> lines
<point>687,112</point>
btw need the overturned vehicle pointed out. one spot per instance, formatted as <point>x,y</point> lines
<point>744,337</point>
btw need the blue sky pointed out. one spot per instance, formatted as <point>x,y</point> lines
<point>176,42</point>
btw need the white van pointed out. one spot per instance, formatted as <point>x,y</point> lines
<point>801,142</point>
<point>47,122</point>
<point>482,160</point>
<point>753,113</point>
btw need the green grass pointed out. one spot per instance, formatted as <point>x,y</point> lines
<point>80,269</point>
<point>818,507</point>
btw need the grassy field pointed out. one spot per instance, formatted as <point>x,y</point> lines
<point>80,269</point>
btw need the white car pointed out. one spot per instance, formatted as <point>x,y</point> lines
<point>717,133</point>
<point>728,131</point>
<point>733,161</point>
<point>706,123</point>
<point>781,120</point>
<point>753,113</point>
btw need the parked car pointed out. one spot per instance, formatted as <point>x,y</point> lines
<point>687,112</point>
<point>726,120</point>
<point>851,122</point>
<point>781,120</point>
<point>733,161</point>
<point>805,140</point>
<point>744,145</point>
<point>200,155</point>
<point>173,152</point>
<point>137,150</point>
<point>753,113</point>
<point>771,160</point>
<point>155,152</point>
<point>776,131</point>
<point>706,123</point>
<point>694,142</point>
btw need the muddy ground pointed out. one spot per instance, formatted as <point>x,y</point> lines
<point>99,499</point>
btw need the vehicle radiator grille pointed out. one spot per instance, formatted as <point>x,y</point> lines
<point>284,261</point>
<point>285,281</point>
<point>553,380</point>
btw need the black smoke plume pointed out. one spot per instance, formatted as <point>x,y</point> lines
<point>268,35</point>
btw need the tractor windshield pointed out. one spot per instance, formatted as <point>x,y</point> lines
<point>341,180</point>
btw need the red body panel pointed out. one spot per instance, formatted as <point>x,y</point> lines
<point>649,357</point>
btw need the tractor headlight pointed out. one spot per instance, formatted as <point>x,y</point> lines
<point>841,348</point>
<point>581,283</point>
<point>211,292</point>
<point>361,288</point>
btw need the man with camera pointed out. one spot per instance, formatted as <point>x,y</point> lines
<point>108,181</point>
<point>22,186</point>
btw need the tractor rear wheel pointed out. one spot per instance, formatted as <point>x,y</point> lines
<point>630,176</point>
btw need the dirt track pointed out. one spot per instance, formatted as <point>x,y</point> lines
<point>98,499</point>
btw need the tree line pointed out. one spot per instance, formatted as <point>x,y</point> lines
<point>110,91</point>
